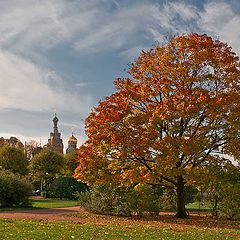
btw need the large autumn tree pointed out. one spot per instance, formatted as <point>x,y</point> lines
<point>161,126</point>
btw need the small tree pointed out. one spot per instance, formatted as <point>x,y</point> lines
<point>13,159</point>
<point>181,103</point>
<point>45,165</point>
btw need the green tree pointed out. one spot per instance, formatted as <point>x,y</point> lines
<point>15,142</point>
<point>45,165</point>
<point>12,142</point>
<point>71,162</point>
<point>13,159</point>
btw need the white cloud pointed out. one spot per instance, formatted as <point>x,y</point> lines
<point>86,25</point>
<point>215,15</point>
<point>25,86</point>
<point>29,24</point>
<point>186,11</point>
<point>217,18</point>
<point>29,29</point>
<point>90,25</point>
<point>118,29</point>
<point>220,20</point>
<point>172,18</point>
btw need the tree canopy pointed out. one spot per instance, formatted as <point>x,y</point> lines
<point>47,162</point>
<point>12,142</point>
<point>70,160</point>
<point>13,159</point>
<point>179,105</point>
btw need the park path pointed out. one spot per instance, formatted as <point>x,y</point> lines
<point>58,214</point>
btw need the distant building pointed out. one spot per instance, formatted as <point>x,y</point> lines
<point>55,142</point>
<point>72,144</point>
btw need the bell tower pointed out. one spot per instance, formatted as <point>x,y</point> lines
<point>55,142</point>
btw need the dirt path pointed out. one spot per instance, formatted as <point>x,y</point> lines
<point>58,214</point>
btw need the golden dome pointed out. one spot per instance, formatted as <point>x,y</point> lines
<point>72,139</point>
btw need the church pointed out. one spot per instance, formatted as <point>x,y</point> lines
<point>56,143</point>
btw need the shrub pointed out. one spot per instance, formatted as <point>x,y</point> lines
<point>66,187</point>
<point>223,200</point>
<point>168,200</point>
<point>14,191</point>
<point>229,203</point>
<point>109,199</point>
<point>191,194</point>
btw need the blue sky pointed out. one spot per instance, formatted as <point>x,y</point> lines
<point>63,55</point>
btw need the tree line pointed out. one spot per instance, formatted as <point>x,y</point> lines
<point>34,168</point>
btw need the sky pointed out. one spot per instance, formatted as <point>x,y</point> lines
<point>63,55</point>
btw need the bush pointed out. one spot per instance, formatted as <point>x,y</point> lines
<point>229,202</point>
<point>66,187</point>
<point>102,199</point>
<point>125,201</point>
<point>191,194</point>
<point>14,191</point>
<point>224,200</point>
<point>168,200</point>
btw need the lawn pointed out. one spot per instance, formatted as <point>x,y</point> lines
<point>38,203</point>
<point>29,229</point>
<point>53,203</point>
<point>198,206</point>
<point>95,226</point>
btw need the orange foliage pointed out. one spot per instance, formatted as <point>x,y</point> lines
<point>181,103</point>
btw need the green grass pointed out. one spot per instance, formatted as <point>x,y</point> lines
<point>196,206</point>
<point>45,203</point>
<point>26,229</point>
<point>53,203</point>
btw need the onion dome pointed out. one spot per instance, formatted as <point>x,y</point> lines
<point>72,139</point>
<point>55,119</point>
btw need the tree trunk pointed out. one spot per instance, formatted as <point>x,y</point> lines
<point>41,185</point>
<point>181,210</point>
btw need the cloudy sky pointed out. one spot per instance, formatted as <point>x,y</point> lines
<point>63,55</point>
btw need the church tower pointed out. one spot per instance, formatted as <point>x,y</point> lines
<point>72,144</point>
<point>55,141</point>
